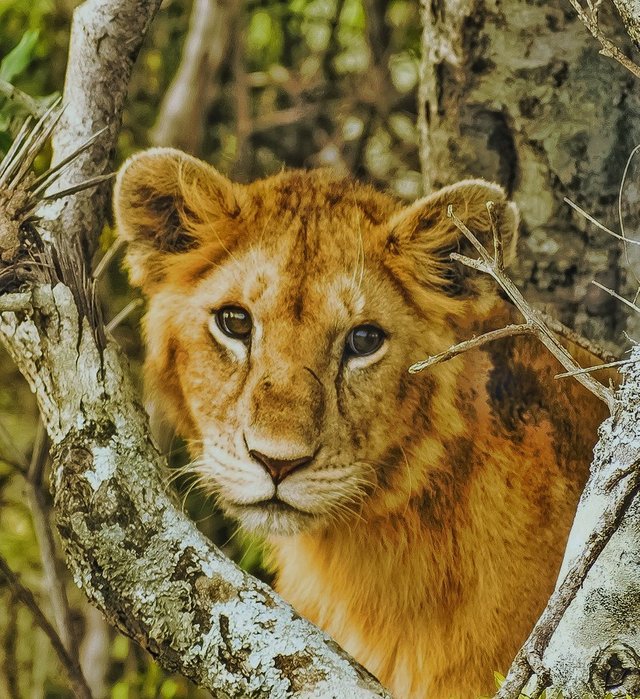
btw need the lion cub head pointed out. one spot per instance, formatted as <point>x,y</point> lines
<point>283,316</point>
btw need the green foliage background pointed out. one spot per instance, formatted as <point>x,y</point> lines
<point>357,112</point>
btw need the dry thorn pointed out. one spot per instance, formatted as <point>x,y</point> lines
<point>611,292</point>
<point>589,369</point>
<point>608,49</point>
<point>106,259</point>
<point>124,313</point>
<point>455,350</point>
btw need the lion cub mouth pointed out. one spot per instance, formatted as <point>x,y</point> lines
<point>273,516</point>
<point>275,504</point>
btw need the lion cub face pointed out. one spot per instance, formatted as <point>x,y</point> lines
<point>283,316</point>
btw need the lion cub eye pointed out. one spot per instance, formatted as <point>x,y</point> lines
<point>364,340</point>
<point>234,322</point>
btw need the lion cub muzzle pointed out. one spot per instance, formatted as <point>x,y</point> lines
<point>279,469</point>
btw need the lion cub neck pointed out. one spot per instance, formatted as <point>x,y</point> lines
<point>434,596</point>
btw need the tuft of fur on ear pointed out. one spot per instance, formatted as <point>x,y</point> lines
<point>165,202</point>
<point>424,232</point>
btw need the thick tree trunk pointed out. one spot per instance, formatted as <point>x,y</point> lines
<point>517,92</point>
<point>596,647</point>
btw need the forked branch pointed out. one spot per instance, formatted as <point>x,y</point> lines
<point>534,324</point>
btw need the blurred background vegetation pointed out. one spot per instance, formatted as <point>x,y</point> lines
<point>274,82</point>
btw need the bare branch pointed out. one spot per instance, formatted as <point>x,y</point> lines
<point>488,265</point>
<point>589,369</point>
<point>617,296</point>
<point>608,49</point>
<point>10,643</point>
<point>107,258</point>
<point>597,223</point>
<point>572,336</point>
<point>621,216</point>
<point>455,350</point>
<point>70,664</point>
<point>498,247</point>
<point>182,116</point>
<point>124,313</point>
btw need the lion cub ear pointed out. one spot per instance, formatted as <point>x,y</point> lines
<point>424,232</point>
<point>164,203</point>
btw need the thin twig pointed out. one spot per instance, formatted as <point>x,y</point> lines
<point>575,338</point>
<point>608,49</point>
<point>498,247</point>
<point>597,367</point>
<point>54,581</point>
<point>621,217</point>
<point>488,265</point>
<point>76,679</point>
<point>455,350</point>
<point>597,223</point>
<point>106,259</point>
<point>124,313</point>
<point>39,456</point>
<point>10,642</point>
<point>611,292</point>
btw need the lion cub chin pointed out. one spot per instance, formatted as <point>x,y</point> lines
<point>410,515</point>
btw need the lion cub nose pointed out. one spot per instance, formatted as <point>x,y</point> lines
<point>279,469</point>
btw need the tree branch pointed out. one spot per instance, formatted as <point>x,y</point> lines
<point>106,36</point>
<point>535,323</point>
<point>608,49</point>
<point>69,662</point>
<point>182,117</point>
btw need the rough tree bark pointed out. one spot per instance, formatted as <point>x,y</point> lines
<point>106,36</point>
<point>492,106</point>
<point>517,92</point>
<point>135,555</point>
<point>596,647</point>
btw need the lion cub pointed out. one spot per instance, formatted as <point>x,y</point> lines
<point>418,519</point>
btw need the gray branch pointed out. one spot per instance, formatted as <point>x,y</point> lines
<point>106,37</point>
<point>182,118</point>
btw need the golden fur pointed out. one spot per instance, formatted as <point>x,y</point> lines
<point>427,530</point>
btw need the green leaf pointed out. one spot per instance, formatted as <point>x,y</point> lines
<point>19,57</point>
<point>499,679</point>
